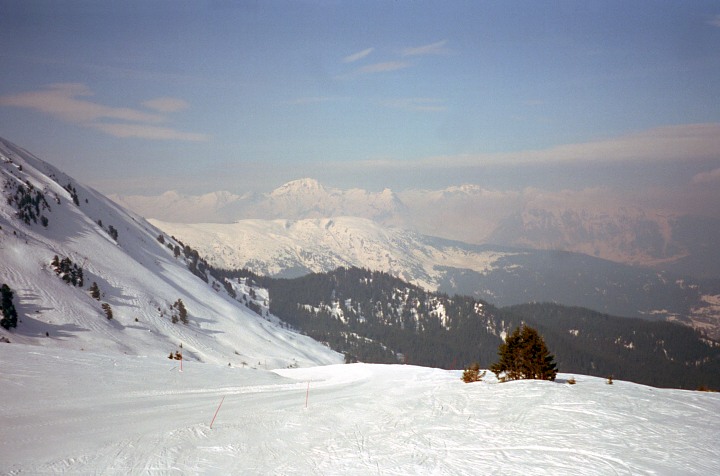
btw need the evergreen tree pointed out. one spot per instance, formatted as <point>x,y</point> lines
<point>112,231</point>
<point>524,355</point>
<point>95,291</point>
<point>108,310</point>
<point>181,311</point>
<point>9,314</point>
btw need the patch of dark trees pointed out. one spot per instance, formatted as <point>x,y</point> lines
<point>371,316</point>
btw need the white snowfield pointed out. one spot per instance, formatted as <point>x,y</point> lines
<point>79,412</point>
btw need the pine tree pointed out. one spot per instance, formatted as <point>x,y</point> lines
<point>108,310</point>
<point>181,311</point>
<point>95,291</point>
<point>524,355</point>
<point>9,314</point>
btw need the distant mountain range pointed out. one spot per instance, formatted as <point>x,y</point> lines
<point>586,222</point>
<point>500,275</point>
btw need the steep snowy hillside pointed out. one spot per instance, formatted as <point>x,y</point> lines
<point>83,413</point>
<point>142,280</point>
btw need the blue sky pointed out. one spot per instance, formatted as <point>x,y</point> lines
<point>148,96</point>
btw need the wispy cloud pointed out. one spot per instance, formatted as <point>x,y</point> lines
<point>383,67</point>
<point>60,100</point>
<point>416,104</point>
<point>166,104</point>
<point>358,56</point>
<point>437,48</point>
<point>681,143</point>
<point>707,177</point>
<point>67,102</point>
<point>146,131</point>
<point>313,100</point>
<point>715,21</point>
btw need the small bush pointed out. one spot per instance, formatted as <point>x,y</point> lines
<point>609,380</point>
<point>473,374</point>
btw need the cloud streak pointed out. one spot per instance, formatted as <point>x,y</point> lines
<point>707,177</point>
<point>416,104</point>
<point>383,67</point>
<point>166,104</point>
<point>145,131</point>
<point>358,56</point>
<point>680,143</point>
<point>437,48</point>
<point>66,102</point>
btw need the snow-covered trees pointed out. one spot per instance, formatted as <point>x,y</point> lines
<point>524,355</point>
<point>68,271</point>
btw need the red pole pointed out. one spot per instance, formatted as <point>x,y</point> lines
<point>216,411</point>
<point>307,394</point>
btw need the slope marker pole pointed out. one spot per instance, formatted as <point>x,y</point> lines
<point>216,411</point>
<point>307,394</point>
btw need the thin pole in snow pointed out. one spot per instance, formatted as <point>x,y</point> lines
<point>216,411</point>
<point>307,394</point>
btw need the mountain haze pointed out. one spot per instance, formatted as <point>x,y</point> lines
<point>591,222</point>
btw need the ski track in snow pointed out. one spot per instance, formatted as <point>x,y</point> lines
<point>80,412</point>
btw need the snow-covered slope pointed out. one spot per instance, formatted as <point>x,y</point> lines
<point>287,247</point>
<point>77,412</point>
<point>44,213</point>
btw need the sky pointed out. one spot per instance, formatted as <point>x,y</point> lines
<point>139,97</point>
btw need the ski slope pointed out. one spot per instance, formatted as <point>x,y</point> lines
<point>90,413</point>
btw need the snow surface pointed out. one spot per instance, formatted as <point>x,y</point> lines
<point>91,413</point>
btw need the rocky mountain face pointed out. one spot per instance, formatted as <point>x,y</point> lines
<point>679,243</point>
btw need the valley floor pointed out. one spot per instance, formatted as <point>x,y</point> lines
<point>79,412</point>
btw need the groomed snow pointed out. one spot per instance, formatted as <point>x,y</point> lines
<point>89,413</point>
